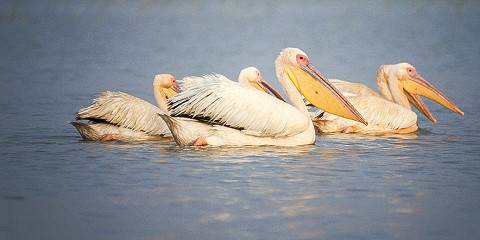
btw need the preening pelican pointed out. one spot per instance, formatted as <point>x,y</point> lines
<point>390,110</point>
<point>213,110</point>
<point>120,116</point>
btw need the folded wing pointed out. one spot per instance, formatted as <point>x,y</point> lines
<point>218,100</point>
<point>379,112</point>
<point>126,111</point>
<point>353,89</point>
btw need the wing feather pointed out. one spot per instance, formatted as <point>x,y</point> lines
<point>126,111</point>
<point>353,89</point>
<point>218,100</point>
<point>380,113</point>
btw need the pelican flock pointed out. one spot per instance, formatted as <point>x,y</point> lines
<point>121,116</point>
<point>213,110</point>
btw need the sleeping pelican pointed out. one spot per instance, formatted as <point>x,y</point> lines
<point>390,110</point>
<point>120,116</point>
<point>213,110</point>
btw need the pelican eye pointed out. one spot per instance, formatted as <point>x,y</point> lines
<point>302,59</point>
<point>411,71</point>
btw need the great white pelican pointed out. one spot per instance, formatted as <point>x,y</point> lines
<point>121,116</point>
<point>390,110</point>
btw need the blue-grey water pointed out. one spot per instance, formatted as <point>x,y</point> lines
<point>56,56</point>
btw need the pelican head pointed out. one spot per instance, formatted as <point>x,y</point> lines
<point>164,87</point>
<point>252,77</point>
<point>404,85</point>
<point>294,65</point>
<point>166,84</point>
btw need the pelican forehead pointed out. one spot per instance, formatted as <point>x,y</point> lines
<point>249,75</point>
<point>290,55</point>
<point>400,69</point>
<point>164,80</point>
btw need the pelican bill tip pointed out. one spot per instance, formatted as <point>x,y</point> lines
<point>365,122</point>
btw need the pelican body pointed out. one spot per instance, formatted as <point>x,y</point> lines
<point>213,110</point>
<point>121,116</point>
<point>387,111</point>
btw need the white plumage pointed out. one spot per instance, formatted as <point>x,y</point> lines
<point>383,116</point>
<point>121,116</point>
<point>212,110</point>
<point>353,89</point>
<point>224,102</point>
<point>127,111</point>
<point>390,111</point>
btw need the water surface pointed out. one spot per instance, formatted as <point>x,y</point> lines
<point>56,56</point>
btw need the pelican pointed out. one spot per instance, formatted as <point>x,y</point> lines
<point>120,116</point>
<point>213,110</point>
<point>390,110</point>
<point>251,77</point>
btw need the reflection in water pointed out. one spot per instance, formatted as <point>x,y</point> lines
<point>217,217</point>
<point>300,207</point>
<point>366,137</point>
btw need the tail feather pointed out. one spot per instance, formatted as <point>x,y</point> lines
<point>86,131</point>
<point>173,125</point>
<point>184,130</point>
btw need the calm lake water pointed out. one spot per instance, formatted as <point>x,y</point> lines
<point>56,56</point>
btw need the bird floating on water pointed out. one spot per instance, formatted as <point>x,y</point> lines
<point>390,110</point>
<point>121,116</point>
